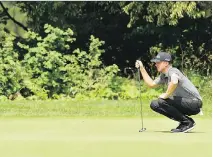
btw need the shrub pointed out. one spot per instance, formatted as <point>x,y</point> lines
<point>11,71</point>
<point>51,72</point>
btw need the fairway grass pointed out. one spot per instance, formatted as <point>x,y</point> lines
<point>108,137</point>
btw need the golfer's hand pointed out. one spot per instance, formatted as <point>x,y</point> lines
<point>163,96</point>
<point>138,64</point>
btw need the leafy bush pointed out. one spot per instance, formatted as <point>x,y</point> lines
<point>188,57</point>
<point>11,71</point>
<point>45,71</point>
<point>53,73</point>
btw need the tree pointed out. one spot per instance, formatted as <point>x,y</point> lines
<point>182,28</point>
<point>131,29</point>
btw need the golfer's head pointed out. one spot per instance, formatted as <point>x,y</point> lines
<point>162,61</point>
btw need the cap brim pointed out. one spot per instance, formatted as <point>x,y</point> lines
<point>155,60</point>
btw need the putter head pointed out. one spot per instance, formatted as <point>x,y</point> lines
<point>142,130</point>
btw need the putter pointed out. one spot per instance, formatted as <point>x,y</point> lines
<point>142,129</point>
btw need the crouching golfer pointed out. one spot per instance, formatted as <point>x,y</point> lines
<point>181,98</point>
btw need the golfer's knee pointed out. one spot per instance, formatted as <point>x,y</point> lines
<point>154,105</point>
<point>161,101</point>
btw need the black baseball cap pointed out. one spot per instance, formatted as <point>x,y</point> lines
<point>162,56</point>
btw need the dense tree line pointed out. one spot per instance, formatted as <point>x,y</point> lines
<point>130,30</point>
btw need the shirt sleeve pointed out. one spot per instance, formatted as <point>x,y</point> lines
<point>174,78</point>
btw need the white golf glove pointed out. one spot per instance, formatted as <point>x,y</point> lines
<point>138,64</point>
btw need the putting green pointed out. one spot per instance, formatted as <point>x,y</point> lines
<point>69,137</point>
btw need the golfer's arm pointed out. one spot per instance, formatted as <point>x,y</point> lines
<point>147,79</point>
<point>171,88</point>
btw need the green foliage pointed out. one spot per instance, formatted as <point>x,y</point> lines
<point>176,27</point>
<point>52,73</point>
<point>44,61</point>
<point>191,57</point>
<point>116,88</point>
<point>11,71</point>
<point>162,12</point>
<point>59,66</point>
<point>197,58</point>
<point>150,23</point>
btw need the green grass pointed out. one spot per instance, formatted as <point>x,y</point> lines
<point>90,137</point>
<point>67,128</point>
<point>71,108</point>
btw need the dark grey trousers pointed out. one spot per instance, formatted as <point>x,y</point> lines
<point>177,108</point>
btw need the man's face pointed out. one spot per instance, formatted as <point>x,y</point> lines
<point>161,66</point>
